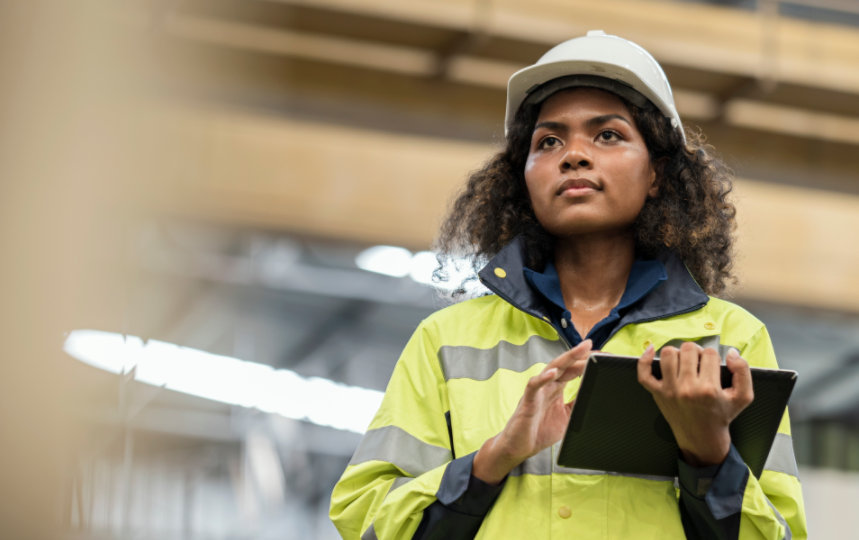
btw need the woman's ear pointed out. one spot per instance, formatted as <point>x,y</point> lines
<point>657,169</point>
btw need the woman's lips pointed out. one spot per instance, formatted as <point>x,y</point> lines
<point>577,186</point>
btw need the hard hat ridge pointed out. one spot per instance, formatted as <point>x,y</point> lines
<point>596,60</point>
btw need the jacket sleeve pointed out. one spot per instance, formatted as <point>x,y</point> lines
<point>405,466</point>
<point>727,501</point>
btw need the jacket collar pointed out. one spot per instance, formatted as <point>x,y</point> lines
<point>504,275</point>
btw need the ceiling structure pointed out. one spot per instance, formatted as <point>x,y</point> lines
<point>326,118</point>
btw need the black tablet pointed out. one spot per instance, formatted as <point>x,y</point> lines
<point>616,426</point>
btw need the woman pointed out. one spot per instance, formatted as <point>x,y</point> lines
<point>604,229</point>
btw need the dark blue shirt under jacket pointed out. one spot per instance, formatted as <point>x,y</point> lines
<point>644,276</point>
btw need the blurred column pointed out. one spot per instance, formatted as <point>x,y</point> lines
<point>67,192</point>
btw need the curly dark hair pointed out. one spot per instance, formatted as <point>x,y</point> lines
<point>691,215</point>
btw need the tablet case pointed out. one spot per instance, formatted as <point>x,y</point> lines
<point>616,426</point>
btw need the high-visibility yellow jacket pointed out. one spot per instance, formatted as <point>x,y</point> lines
<point>460,378</point>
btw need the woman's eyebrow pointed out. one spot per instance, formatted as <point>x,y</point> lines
<point>605,118</point>
<point>554,126</point>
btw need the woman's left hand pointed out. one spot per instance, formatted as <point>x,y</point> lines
<point>692,400</point>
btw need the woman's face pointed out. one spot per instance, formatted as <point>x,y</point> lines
<point>588,169</point>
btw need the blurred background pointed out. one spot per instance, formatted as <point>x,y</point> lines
<point>217,216</point>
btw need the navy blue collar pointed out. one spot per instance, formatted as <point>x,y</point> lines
<point>644,276</point>
<point>505,276</point>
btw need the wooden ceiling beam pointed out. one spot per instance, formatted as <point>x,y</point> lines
<point>701,38</point>
<point>379,187</point>
<point>729,105</point>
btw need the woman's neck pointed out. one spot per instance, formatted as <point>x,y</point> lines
<point>593,270</point>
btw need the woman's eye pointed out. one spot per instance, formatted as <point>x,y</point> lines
<point>608,135</point>
<point>549,142</point>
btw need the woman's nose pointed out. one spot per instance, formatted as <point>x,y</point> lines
<point>576,157</point>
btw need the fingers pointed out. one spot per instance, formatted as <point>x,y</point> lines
<point>698,370</point>
<point>645,370</point>
<point>741,391</point>
<point>710,368</point>
<point>540,380</point>
<point>688,360</point>
<point>689,367</point>
<point>565,367</point>
<point>573,371</point>
<point>690,363</point>
<point>579,352</point>
<point>572,363</point>
<point>668,360</point>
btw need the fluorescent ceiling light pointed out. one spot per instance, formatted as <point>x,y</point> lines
<point>389,260</point>
<point>228,380</point>
<point>399,262</point>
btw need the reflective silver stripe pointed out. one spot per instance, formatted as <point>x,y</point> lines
<point>461,362</point>
<point>653,477</point>
<point>538,464</point>
<point>781,458</point>
<point>397,447</point>
<point>369,534</point>
<point>707,341</point>
<point>569,470</point>
<point>541,464</point>
<point>787,532</point>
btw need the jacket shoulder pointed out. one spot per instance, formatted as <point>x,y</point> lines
<point>732,314</point>
<point>484,321</point>
<point>735,326</point>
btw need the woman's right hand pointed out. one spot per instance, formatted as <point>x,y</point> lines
<point>539,420</point>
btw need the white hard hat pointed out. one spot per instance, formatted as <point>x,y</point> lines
<point>598,60</point>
